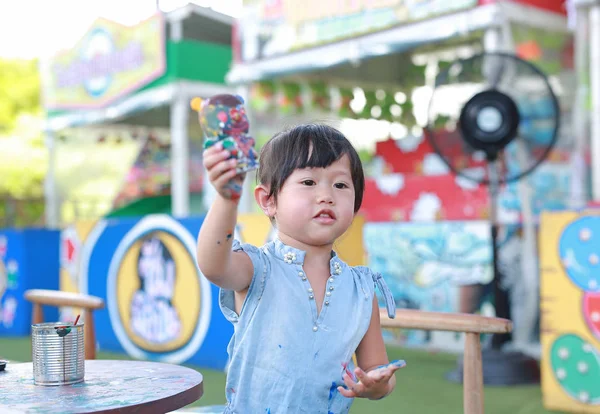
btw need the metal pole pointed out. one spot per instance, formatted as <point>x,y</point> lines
<point>580,123</point>
<point>524,303</point>
<point>501,301</point>
<point>594,30</point>
<point>495,41</point>
<point>52,208</point>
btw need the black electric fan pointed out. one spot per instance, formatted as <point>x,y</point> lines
<point>493,119</point>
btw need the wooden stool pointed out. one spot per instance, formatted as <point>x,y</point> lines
<point>39,297</point>
<point>473,326</point>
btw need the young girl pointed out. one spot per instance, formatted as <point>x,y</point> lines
<point>299,312</point>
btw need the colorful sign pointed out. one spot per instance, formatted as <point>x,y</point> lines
<point>158,300</point>
<point>110,61</point>
<point>273,27</point>
<point>570,309</point>
<point>412,183</point>
<point>158,304</point>
<point>28,260</point>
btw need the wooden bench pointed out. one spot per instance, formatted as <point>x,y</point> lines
<point>87,303</point>
<point>473,326</point>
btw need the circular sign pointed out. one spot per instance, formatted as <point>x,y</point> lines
<point>159,302</point>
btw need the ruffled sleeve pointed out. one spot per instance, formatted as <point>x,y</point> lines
<point>256,288</point>
<point>378,281</point>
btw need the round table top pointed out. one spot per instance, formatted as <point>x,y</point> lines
<point>109,387</point>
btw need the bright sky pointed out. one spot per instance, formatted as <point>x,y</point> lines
<point>39,28</point>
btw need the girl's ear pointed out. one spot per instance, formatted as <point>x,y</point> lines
<point>266,203</point>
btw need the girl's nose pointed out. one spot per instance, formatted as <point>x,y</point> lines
<point>325,197</point>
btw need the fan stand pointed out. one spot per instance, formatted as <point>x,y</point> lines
<point>500,367</point>
<point>489,122</point>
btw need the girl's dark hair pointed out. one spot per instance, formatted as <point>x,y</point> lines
<point>307,146</point>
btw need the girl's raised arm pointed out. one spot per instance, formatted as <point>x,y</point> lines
<point>216,261</point>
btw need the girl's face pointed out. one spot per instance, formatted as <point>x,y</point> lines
<point>316,205</point>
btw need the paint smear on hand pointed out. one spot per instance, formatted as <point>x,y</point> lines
<point>350,373</point>
<point>400,363</point>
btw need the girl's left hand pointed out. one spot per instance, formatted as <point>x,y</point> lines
<point>373,384</point>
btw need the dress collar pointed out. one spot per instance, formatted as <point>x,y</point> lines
<point>291,255</point>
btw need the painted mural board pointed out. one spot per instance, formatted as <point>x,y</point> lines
<point>570,310</point>
<point>425,264</point>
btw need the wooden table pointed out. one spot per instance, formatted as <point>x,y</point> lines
<point>109,387</point>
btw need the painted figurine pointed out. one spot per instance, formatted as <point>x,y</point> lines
<point>223,119</point>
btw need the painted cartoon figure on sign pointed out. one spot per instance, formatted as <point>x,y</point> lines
<point>153,316</point>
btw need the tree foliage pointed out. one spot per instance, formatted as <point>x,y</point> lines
<point>23,158</point>
<point>19,91</point>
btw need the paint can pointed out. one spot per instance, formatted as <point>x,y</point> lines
<point>58,353</point>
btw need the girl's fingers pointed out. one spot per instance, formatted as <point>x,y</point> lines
<point>380,374</point>
<point>224,179</point>
<point>213,149</point>
<point>212,157</point>
<point>385,375</point>
<point>346,393</point>
<point>365,379</point>
<point>221,168</point>
<point>356,387</point>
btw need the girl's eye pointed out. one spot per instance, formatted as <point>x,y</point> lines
<point>340,185</point>
<point>308,182</point>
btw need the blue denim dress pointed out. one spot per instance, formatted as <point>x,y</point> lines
<point>285,358</point>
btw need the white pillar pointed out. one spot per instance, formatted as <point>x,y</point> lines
<point>52,199</point>
<point>180,183</point>
<point>492,40</point>
<point>594,69</point>
<point>247,200</point>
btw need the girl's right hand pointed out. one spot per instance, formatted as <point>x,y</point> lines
<point>222,172</point>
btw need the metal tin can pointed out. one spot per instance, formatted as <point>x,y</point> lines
<point>58,353</point>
